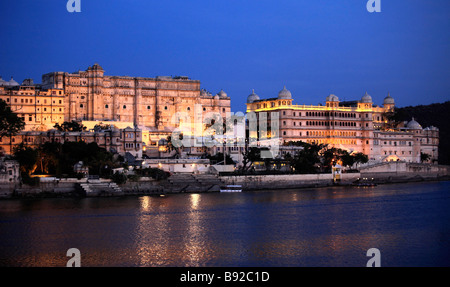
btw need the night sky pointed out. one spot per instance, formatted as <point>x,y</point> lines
<point>314,47</point>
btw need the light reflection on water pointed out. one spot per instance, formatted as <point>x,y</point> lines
<point>409,223</point>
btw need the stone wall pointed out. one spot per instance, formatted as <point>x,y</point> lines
<point>405,171</point>
<point>255,182</point>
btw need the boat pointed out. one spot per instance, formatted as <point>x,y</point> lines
<point>364,182</point>
<point>231,188</point>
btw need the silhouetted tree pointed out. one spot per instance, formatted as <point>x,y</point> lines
<point>10,123</point>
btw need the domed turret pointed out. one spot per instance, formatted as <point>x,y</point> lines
<point>3,82</point>
<point>332,98</point>
<point>388,100</point>
<point>252,97</point>
<point>366,99</point>
<point>222,94</point>
<point>413,125</point>
<point>284,94</point>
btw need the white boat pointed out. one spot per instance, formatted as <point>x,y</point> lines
<point>231,188</point>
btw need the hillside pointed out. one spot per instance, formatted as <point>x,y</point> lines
<point>431,115</point>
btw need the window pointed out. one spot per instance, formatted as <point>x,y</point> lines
<point>165,107</point>
<point>81,105</point>
<point>106,106</point>
<point>124,107</point>
<point>148,107</point>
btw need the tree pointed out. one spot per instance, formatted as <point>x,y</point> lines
<point>27,158</point>
<point>219,158</point>
<point>306,160</point>
<point>360,157</point>
<point>72,126</point>
<point>424,157</point>
<point>10,123</point>
<point>250,155</point>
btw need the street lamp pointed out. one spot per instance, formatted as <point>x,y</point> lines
<point>162,146</point>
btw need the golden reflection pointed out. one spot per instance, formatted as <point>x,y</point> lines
<point>152,242</point>
<point>193,243</point>
<point>145,203</point>
<point>195,200</point>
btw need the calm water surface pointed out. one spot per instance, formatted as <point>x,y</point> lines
<point>408,223</point>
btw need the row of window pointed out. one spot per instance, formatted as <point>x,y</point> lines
<point>30,101</point>
<point>326,133</point>
<point>325,124</point>
<point>132,145</point>
<point>394,143</point>
<point>328,114</point>
<point>149,108</point>
<point>273,104</point>
<point>335,141</point>
<point>395,152</point>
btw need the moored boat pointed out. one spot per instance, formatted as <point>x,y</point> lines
<point>231,188</point>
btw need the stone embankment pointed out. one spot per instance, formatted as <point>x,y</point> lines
<point>53,187</point>
<point>391,172</point>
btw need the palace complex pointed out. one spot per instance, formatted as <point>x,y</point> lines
<point>133,114</point>
<point>356,126</point>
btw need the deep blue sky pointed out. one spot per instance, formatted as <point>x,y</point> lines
<point>314,47</point>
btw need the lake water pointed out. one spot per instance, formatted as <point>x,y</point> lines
<point>408,223</point>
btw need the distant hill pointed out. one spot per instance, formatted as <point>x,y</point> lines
<point>437,115</point>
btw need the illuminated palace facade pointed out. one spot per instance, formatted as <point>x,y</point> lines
<point>91,97</point>
<point>356,126</point>
<point>146,102</point>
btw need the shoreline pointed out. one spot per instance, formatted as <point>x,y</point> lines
<point>33,194</point>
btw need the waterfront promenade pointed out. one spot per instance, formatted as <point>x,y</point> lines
<point>392,172</point>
